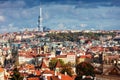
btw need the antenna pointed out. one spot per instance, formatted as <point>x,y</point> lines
<point>40,11</point>
<point>40,28</point>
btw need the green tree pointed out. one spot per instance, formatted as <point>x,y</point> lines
<point>74,36</point>
<point>68,69</point>
<point>16,75</point>
<point>53,62</point>
<point>84,68</point>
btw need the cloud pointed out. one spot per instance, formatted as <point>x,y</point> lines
<point>12,4</point>
<point>60,13</point>
<point>61,26</point>
<point>92,28</point>
<point>19,3</point>
<point>9,28</point>
<point>46,16</point>
<point>97,3</point>
<point>12,28</point>
<point>77,3</point>
<point>83,25</point>
<point>2,18</point>
<point>84,3</point>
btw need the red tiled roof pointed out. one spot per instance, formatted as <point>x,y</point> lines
<point>86,56</point>
<point>89,56</point>
<point>43,65</point>
<point>54,78</point>
<point>113,57</point>
<point>37,72</point>
<point>45,59</point>
<point>1,69</point>
<point>83,56</point>
<point>61,56</point>
<point>63,77</point>
<point>66,77</point>
<point>29,66</point>
<point>33,78</point>
<point>48,77</point>
<point>24,74</point>
<point>48,72</point>
<point>5,49</point>
<point>58,64</point>
<point>99,48</point>
<point>43,55</point>
<point>113,70</point>
<point>71,53</point>
<point>73,77</point>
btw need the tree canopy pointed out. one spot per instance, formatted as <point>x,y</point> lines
<point>74,37</point>
<point>16,75</point>
<point>53,62</point>
<point>68,69</point>
<point>84,68</point>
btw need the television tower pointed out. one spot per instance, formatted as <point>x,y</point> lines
<point>40,28</point>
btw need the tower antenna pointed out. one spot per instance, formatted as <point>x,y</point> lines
<point>40,28</point>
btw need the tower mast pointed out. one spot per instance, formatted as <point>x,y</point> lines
<point>40,28</point>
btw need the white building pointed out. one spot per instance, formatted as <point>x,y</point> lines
<point>2,74</point>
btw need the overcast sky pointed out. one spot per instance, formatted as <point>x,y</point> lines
<point>16,15</point>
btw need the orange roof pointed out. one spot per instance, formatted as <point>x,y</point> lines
<point>66,77</point>
<point>86,56</point>
<point>83,56</point>
<point>63,77</point>
<point>48,72</point>
<point>89,56</point>
<point>53,78</point>
<point>1,69</point>
<point>5,49</point>
<point>73,77</point>
<point>113,57</point>
<point>30,66</point>
<point>49,77</point>
<point>38,72</point>
<point>58,64</point>
<point>97,48</point>
<point>61,56</point>
<point>71,53</point>
<point>33,78</point>
<point>43,65</point>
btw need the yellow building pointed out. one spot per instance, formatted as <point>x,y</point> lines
<point>83,58</point>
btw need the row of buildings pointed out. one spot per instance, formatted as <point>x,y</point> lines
<point>32,52</point>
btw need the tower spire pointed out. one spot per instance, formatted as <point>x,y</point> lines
<point>40,28</point>
<point>40,11</point>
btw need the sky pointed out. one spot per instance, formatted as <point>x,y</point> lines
<point>17,15</point>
